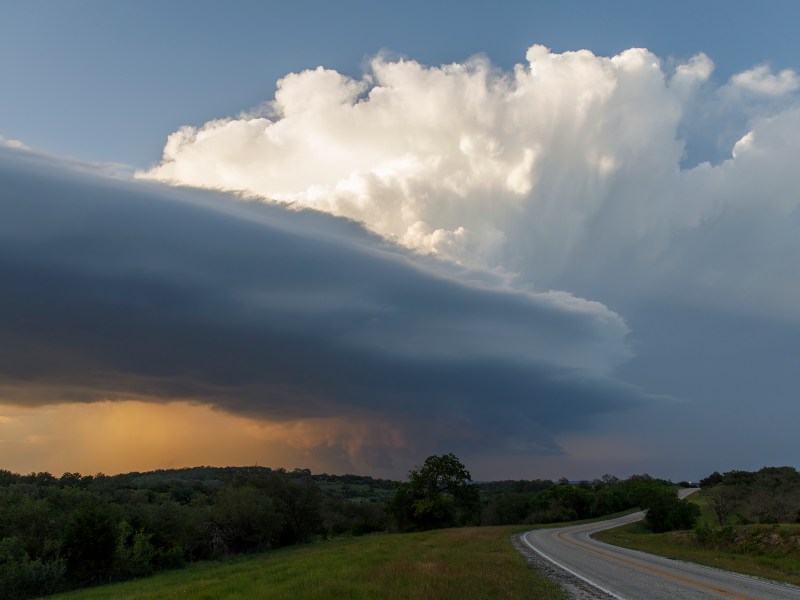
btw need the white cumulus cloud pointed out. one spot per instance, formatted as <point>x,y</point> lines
<point>565,171</point>
<point>761,80</point>
<point>445,159</point>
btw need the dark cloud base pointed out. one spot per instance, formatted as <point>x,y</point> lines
<point>116,289</point>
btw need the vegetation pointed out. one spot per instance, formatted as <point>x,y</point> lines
<point>467,563</point>
<point>769,551</point>
<point>769,495</point>
<point>666,512</point>
<point>76,531</point>
<point>748,523</point>
<point>507,502</point>
<point>438,494</point>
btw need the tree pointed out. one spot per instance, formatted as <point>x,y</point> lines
<point>666,512</point>
<point>714,479</point>
<point>723,501</point>
<point>244,519</point>
<point>88,543</point>
<point>437,494</point>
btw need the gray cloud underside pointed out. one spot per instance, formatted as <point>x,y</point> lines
<point>115,289</point>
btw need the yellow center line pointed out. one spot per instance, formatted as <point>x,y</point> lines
<point>693,582</point>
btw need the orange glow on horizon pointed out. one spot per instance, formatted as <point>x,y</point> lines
<point>123,436</point>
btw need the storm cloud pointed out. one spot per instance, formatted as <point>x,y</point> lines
<point>609,177</point>
<point>122,290</point>
<point>636,181</point>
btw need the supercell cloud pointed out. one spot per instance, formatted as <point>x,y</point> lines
<point>423,311</point>
<point>125,290</point>
<point>569,172</point>
<point>637,182</point>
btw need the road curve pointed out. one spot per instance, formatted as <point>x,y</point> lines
<point>625,574</point>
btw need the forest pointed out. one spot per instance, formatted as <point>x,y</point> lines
<point>72,531</point>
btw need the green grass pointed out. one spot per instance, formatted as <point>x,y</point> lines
<point>463,564</point>
<point>762,562</point>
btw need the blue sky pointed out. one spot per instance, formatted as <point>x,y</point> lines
<point>559,239</point>
<point>108,81</point>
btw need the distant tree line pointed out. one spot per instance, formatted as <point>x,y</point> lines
<point>440,494</point>
<point>74,531</point>
<point>544,501</point>
<point>770,495</point>
<point>746,510</point>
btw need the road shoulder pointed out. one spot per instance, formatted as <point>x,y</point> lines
<point>576,588</point>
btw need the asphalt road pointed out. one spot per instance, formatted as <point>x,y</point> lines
<point>632,575</point>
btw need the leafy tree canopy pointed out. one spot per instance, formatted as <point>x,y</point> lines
<point>438,494</point>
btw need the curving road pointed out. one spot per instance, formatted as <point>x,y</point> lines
<point>632,575</point>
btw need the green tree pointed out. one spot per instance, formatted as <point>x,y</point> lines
<point>23,577</point>
<point>437,494</point>
<point>246,519</point>
<point>88,543</point>
<point>666,512</point>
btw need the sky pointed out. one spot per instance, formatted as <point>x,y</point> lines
<point>557,239</point>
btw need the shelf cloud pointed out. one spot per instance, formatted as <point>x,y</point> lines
<point>129,291</point>
<point>455,257</point>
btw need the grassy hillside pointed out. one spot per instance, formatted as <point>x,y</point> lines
<point>771,551</point>
<point>461,564</point>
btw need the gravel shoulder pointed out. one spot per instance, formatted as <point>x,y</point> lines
<point>574,587</point>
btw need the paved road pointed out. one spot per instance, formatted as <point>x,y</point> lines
<point>631,575</point>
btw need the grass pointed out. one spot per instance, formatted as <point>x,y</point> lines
<point>463,564</point>
<point>682,545</point>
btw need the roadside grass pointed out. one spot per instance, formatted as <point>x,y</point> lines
<point>779,564</point>
<point>464,564</point>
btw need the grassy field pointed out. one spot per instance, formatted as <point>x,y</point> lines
<point>458,564</point>
<point>760,560</point>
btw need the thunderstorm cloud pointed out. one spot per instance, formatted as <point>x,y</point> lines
<point>512,263</point>
<point>640,183</point>
<point>568,171</point>
<point>122,290</point>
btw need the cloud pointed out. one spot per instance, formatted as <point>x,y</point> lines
<point>12,143</point>
<point>519,216</point>
<point>130,291</point>
<point>760,80</point>
<point>459,160</point>
<point>561,171</point>
<point>127,435</point>
<point>627,180</point>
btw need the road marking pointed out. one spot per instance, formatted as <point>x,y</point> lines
<point>642,567</point>
<point>570,571</point>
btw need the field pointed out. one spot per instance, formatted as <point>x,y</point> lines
<point>462,564</point>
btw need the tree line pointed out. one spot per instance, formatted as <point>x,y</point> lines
<point>74,531</point>
<point>770,495</point>
<point>440,494</point>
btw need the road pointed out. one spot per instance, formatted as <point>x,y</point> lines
<point>625,574</point>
